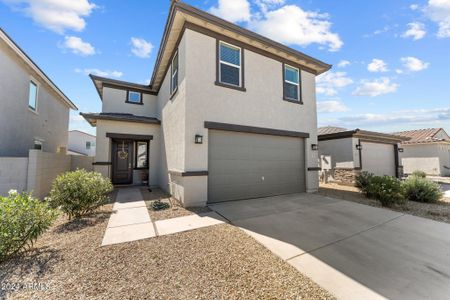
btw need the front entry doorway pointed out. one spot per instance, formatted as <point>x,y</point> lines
<point>122,162</point>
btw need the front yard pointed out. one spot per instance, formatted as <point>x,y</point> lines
<point>439,211</point>
<point>218,262</point>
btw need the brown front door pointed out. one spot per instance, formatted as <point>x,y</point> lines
<point>122,171</point>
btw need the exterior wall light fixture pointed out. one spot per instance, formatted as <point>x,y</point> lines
<point>400,150</point>
<point>359,147</point>
<point>314,147</point>
<point>198,139</point>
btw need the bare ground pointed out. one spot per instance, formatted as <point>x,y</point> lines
<point>439,211</point>
<point>218,262</point>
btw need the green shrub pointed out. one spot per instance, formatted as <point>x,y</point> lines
<point>421,189</point>
<point>159,205</point>
<point>419,173</point>
<point>363,181</point>
<point>386,189</point>
<point>79,192</point>
<point>22,220</point>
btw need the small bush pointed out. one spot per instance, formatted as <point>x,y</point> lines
<point>79,192</point>
<point>421,189</point>
<point>22,220</point>
<point>159,205</point>
<point>363,181</point>
<point>419,173</point>
<point>386,189</point>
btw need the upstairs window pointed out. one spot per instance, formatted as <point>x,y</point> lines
<point>32,95</point>
<point>134,97</point>
<point>88,145</point>
<point>291,83</point>
<point>230,65</point>
<point>174,74</point>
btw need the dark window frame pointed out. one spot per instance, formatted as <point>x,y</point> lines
<point>174,90</point>
<point>241,87</point>
<point>288,99</point>
<point>90,145</point>
<point>136,154</point>
<point>33,82</point>
<point>132,102</point>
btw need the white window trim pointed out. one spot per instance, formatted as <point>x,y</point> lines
<point>293,83</point>
<point>140,97</point>
<point>172,74</point>
<point>35,110</point>
<point>230,64</point>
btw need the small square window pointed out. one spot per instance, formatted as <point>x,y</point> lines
<point>134,97</point>
<point>32,96</point>
<point>37,145</point>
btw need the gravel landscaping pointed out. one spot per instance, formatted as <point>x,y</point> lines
<point>439,211</point>
<point>218,262</point>
<point>175,210</point>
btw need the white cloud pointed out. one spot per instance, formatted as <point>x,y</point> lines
<point>377,65</point>
<point>439,12</point>
<point>113,74</point>
<point>343,63</point>
<point>56,15</point>
<point>413,6</point>
<point>292,25</point>
<point>232,10</point>
<point>416,31</point>
<point>78,46</point>
<point>424,117</point>
<point>375,87</point>
<point>141,48</point>
<point>414,64</point>
<point>329,83</point>
<point>331,106</point>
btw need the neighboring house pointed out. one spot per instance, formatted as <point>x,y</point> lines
<point>228,115</point>
<point>81,143</point>
<point>35,112</point>
<point>427,150</point>
<point>345,153</point>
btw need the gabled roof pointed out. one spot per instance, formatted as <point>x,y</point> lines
<point>93,117</point>
<point>329,130</point>
<point>28,61</point>
<point>363,134</point>
<point>101,82</point>
<point>182,15</point>
<point>421,136</point>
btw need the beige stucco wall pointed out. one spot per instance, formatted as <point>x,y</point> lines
<point>430,158</point>
<point>261,105</point>
<point>114,102</point>
<point>341,152</point>
<point>49,123</point>
<point>13,174</point>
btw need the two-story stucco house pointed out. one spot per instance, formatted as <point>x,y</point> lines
<point>81,143</point>
<point>34,111</point>
<point>228,115</point>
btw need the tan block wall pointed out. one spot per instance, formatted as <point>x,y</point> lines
<point>43,168</point>
<point>81,162</point>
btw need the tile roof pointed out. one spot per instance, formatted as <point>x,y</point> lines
<point>420,135</point>
<point>330,129</point>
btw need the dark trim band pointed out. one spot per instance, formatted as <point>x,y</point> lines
<point>256,130</point>
<point>188,173</point>
<point>102,163</point>
<point>314,168</point>
<point>129,136</point>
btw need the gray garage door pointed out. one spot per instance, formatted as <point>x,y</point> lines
<point>378,159</point>
<point>245,165</point>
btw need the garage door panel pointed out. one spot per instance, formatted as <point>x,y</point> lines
<point>243,165</point>
<point>378,158</point>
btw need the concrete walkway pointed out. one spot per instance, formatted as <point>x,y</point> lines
<point>130,220</point>
<point>353,250</point>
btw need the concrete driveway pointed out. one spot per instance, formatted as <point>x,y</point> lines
<point>353,250</point>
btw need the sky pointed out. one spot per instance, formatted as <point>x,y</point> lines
<point>391,59</point>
